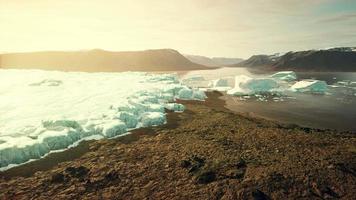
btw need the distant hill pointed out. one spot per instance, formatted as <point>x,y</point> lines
<point>213,62</point>
<point>100,61</point>
<point>334,59</point>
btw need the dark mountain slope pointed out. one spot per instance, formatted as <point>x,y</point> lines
<point>335,59</point>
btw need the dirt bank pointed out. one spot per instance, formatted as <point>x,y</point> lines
<point>207,152</point>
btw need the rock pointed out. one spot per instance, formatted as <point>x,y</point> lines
<point>259,195</point>
<point>206,177</point>
<point>77,172</point>
<point>241,163</point>
<point>195,163</point>
<point>235,173</point>
<point>185,164</point>
<point>57,178</point>
<point>112,176</point>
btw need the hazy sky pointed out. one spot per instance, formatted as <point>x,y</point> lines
<point>232,28</point>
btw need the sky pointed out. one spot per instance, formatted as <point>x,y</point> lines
<point>229,28</point>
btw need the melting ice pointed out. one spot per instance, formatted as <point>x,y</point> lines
<point>42,111</point>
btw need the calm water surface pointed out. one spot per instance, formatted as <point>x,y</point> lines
<point>335,110</point>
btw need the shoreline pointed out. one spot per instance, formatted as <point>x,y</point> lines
<point>54,158</point>
<point>205,152</point>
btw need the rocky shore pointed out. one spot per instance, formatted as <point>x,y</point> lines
<point>206,152</point>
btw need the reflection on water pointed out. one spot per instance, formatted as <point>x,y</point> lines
<point>335,110</point>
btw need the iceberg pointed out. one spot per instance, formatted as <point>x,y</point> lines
<point>113,128</point>
<point>191,94</point>
<point>218,83</point>
<point>285,76</point>
<point>312,86</point>
<point>185,93</point>
<point>258,85</point>
<point>245,85</point>
<point>152,119</point>
<point>176,107</point>
<point>129,119</point>
<point>199,95</point>
<point>193,78</point>
<point>44,111</point>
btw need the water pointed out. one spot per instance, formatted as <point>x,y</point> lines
<point>335,110</point>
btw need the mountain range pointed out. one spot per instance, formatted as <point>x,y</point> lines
<point>333,59</point>
<point>214,61</point>
<point>98,60</point>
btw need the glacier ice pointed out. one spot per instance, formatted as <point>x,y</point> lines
<point>176,107</point>
<point>218,83</point>
<point>128,118</point>
<point>312,86</point>
<point>191,94</point>
<point>285,75</point>
<point>113,128</point>
<point>152,119</point>
<point>43,111</point>
<point>199,95</point>
<point>185,93</point>
<point>245,85</point>
<point>194,78</point>
<point>260,85</point>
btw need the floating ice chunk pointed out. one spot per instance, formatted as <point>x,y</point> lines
<point>145,107</point>
<point>148,99</point>
<point>285,75</point>
<point>185,93</point>
<point>129,119</point>
<point>247,85</point>
<point>257,85</point>
<point>113,128</point>
<point>20,149</point>
<point>56,140</point>
<point>152,119</point>
<point>218,83</point>
<point>176,107</point>
<point>346,83</point>
<point>59,125</point>
<point>168,78</point>
<point>313,86</point>
<point>173,89</point>
<point>343,83</point>
<point>199,95</point>
<point>154,108</point>
<point>167,97</point>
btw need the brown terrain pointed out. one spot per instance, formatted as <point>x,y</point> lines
<point>100,61</point>
<point>206,152</point>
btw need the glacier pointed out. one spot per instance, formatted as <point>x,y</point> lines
<point>285,76</point>
<point>245,85</point>
<point>312,86</point>
<point>218,83</point>
<point>45,111</point>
